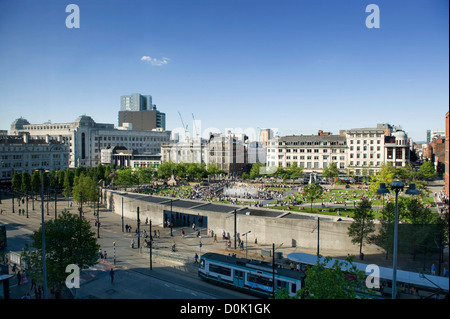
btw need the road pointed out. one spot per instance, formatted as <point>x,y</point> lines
<point>173,275</point>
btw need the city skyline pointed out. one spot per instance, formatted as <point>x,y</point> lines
<point>299,66</point>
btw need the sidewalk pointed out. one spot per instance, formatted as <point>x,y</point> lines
<point>117,244</point>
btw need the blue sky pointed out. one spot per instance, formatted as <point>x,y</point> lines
<point>299,66</point>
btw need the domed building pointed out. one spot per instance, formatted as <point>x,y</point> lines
<point>397,148</point>
<point>86,138</point>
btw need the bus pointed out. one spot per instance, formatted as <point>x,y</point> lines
<point>250,276</point>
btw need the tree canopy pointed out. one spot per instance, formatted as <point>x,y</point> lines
<point>68,240</point>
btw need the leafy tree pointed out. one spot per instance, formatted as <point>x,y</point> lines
<point>294,171</point>
<point>312,192</point>
<point>68,183</point>
<point>165,169</point>
<point>143,175</point>
<point>386,175</point>
<point>363,225</point>
<point>26,182</point>
<point>330,171</point>
<point>427,171</point>
<point>125,177</point>
<point>68,240</point>
<point>36,182</point>
<point>16,181</point>
<point>196,171</point>
<point>385,237</point>
<point>422,232</point>
<point>255,170</point>
<point>281,173</point>
<point>340,280</point>
<point>85,189</point>
<point>214,170</point>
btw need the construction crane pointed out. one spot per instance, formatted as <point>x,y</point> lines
<point>186,132</point>
<point>195,128</point>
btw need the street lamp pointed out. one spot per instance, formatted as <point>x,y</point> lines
<point>396,186</point>
<point>44,264</point>
<point>246,245</point>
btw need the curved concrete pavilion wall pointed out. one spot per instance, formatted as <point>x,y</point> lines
<point>267,225</point>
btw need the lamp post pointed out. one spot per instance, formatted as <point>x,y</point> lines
<point>44,264</point>
<point>114,244</point>
<point>396,186</point>
<point>246,245</point>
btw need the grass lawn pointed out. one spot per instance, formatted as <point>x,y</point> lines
<point>323,211</point>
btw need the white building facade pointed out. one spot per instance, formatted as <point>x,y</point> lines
<point>312,152</point>
<point>25,154</point>
<point>359,151</point>
<point>86,138</point>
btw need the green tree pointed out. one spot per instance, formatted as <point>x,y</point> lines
<point>294,171</point>
<point>427,171</point>
<point>363,224</point>
<point>16,181</point>
<point>67,184</point>
<point>84,189</point>
<point>340,280</point>
<point>213,170</point>
<point>196,171</point>
<point>125,177</point>
<point>312,192</point>
<point>330,171</point>
<point>386,175</point>
<point>26,182</point>
<point>144,175</point>
<point>36,182</point>
<point>166,169</point>
<point>385,237</point>
<point>68,240</point>
<point>255,170</point>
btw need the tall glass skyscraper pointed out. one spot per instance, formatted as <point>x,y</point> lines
<point>139,110</point>
<point>136,102</point>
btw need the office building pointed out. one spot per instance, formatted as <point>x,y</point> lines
<point>312,152</point>
<point>21,153</point>
<point>140,113</point>
<point>86,138</point>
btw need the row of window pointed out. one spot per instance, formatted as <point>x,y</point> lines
<point>303,150</point>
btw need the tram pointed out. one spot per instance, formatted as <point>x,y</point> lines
<point>251,276</point>
<point>410,285</point>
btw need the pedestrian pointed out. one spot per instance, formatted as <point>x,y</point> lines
<point>196,259</point>
<point>433,269</point>
<point>132,243</point>
<point>111,274</point>
<point>104,255</point>
<point>19,278</point>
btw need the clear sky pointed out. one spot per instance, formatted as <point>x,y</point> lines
<point>298,66</point>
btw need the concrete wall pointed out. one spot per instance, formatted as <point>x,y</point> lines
<point>291,232</point>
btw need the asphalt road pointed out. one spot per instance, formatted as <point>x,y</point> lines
<point>173,275</point>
